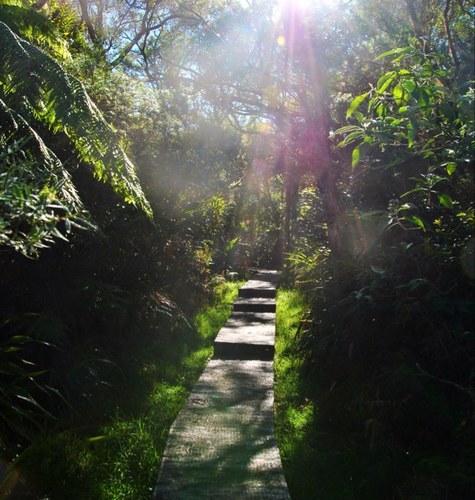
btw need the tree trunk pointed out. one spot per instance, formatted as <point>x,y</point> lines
<point>324,170</point>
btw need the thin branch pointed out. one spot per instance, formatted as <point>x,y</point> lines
<point>145,30</point>
<point>87,20</point>
<point>39,4</point>
<point>469,392</point>
<point>450,40</point>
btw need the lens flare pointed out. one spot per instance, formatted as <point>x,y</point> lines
<point>306,5</point>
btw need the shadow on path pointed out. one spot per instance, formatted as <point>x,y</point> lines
<point>222,443</point>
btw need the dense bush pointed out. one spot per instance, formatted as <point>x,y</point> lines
<point>391,338</point>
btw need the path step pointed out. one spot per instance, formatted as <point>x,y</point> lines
<point>254,304</point>
<point>257,292</point>
<point>263,284</point>
<point>224,350</point>
<point>222,443</point>
<point>246,335</point>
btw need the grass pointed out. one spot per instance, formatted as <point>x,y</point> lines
<point>120,458</point>
<point>319,462</point>
<point>295,412</point>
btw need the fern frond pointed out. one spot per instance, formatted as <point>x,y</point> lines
<point>33,82</point>
<point>37,193</point>
<point>49,169</point>
<point>33,26</point>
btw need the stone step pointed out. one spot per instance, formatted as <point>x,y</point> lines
<point>254,304</point>
<point>246,335</point>
<point>257,292</point>
<point>222,443</point>
<point>232,350</point>
<point>262,284</point>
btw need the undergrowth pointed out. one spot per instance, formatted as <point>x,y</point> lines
<point>294,410</point>
<point>114,453</point>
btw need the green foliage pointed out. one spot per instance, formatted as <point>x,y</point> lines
<point>36,92</point>
<point>413,117</point>
<point>391,336</point>
<point>34,26</point>
<point>21,411</point>
<point>384,363</point>
<point>212,319</point>
<point>38,199</point>
<point>117,455</point>
<point>295,413</point>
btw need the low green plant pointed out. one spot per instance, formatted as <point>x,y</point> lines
<point>117,454</point>
<point>294,410</point>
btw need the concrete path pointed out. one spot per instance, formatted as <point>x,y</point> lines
<point>222,443</point>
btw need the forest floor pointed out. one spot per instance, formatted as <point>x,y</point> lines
<point>114,452</point>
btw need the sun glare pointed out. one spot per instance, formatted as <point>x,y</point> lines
<point>306,5</point>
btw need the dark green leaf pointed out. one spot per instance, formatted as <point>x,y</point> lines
<point>445,200</point>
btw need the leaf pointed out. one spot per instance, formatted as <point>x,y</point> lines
<point>417,221</point>
<point>393,52</point>
<point>59,101</point>
<point>385,81</point>
<point>355,157</point>
<point>413,284</point>
<point>411,134</point>
<point>359,134</point>
<point>409,85</point>
<point>355,103</point>
<point>381,110</point>
<point>398,93</point>
<point>94,439</point>
<point>346,129</point>
<point>446,200</point>
<point>377,270</point>
<point>423,98</point>
<point>451,167</point>
<point>34,26</point>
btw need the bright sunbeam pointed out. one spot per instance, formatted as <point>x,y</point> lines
<point>309,4</point>
<point>304,7</point>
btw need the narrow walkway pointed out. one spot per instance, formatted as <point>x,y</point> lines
<point>222,443</point>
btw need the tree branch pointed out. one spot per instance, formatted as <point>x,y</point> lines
<point>469,392</point>
<point>416,23</point>
<point>450,40</point>
<point>145,31</point>
<point>86,18</point>
<point>39,4</point>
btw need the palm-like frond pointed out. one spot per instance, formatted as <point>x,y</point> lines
<point>37,87</point>
<point>15,129</point>
<point>33,26</point>
<point>37,194</point>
